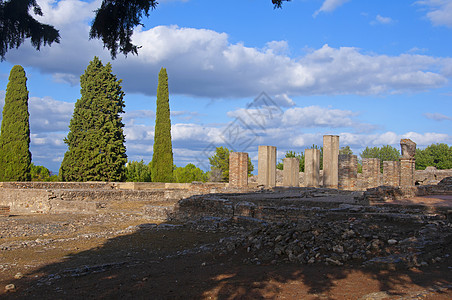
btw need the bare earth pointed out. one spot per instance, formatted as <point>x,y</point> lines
<point>126,256</point>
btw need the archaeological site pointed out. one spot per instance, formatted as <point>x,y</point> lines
<point>321,234</point>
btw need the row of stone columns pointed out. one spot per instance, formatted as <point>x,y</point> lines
<point>339,171</point>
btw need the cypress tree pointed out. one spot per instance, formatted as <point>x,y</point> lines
<point>96,139</point>
<point>15,156</point>
<point>162,158</point>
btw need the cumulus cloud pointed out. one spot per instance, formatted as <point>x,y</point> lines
<point>440,12</point>
<point>437,116</point>
<point>329,6</point>
<point>204,63</point>
<point>47,114</point>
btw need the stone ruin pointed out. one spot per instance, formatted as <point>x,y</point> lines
<point>339,171</point>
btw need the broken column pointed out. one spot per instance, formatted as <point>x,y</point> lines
<point>407,162</point>
<point>371,172</point>
<point>311,167</point>
<point>391,173</point>
<point>266,173</point>
<point>330,161</point>
<point>348,172</point>
<point>291,172</point>
<point>238,169</point>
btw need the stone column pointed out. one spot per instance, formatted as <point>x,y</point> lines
<point>371,172</point>
<point>391,173</point>
<point>266,164</point>
<point>291,172</point>
<point>407,162</point>
<point>330,161</point>
<point>348,172</point>
<point>311,167</point>
<point>238,169</point>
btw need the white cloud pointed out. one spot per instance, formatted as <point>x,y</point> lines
<point>382,20</point>
<point>49,115</point>
<point>204,63</point>
<point>440,11</point>
<point>437,116</point>
<point>330,5</point>
<point>316,116</point>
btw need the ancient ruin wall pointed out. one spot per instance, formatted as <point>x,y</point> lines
<point>348,172</point>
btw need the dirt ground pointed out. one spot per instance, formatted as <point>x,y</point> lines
<point>128,257</point>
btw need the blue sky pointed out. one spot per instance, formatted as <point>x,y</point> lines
<point>242,74</point>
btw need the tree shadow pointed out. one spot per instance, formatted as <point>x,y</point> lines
<point>172,262</point>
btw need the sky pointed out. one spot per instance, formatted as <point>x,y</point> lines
<point>242,74</point>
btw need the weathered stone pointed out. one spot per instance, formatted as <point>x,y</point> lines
<point>348,172</point>
<point>238,169</point>
<point>291,171</point>
<point>391,173</point>
<point>330,161</point>
<point>311,167</point>
<point>371,172</point>
<point>266,166</point>
<point>408,148</point>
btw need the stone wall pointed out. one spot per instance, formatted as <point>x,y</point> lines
<point>371,172</point>
<point>31,197</point>
<point>238,169</point>
<point>391,173</point>
<point>348,172</point>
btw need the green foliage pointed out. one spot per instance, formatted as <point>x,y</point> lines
<point>96,139</point>
<point>15,156</point>
<point>291,154</point>
<point>114,23</point>
<point>189,173</point>
<point>385,153</point>
<point>162,158</point>
<point>345,150</point>
<point>41,173</point>
<point>220,161</point>
<point>435,155</point>
<point>16,24</point>
<point>138,171</point>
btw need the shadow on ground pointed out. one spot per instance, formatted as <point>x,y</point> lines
<point>154,263</point>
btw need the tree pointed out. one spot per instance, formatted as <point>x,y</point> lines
<point>435,155</point>
<point>113,24</point>
<point>189,173</point>
<point>290,154</point>
<point>138,171</point>
<point>220,161</point>
<point>162,157</point>
<point>385,153</point>
<point>345,150</point>
<point>15,156</point>
<point>96,139</point>
<point>16,24</point>
<point>41,173</point>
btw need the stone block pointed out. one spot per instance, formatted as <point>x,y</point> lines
<point>408,148</point>
<point>371,172</point>
<point>348,172</point>
<point>238,169</point>
<point>291,171</point>
<point>391,173</point>
<point>330,161</point>
<point>311,167</point>
<point>407,167</point>
<point>266,173</point>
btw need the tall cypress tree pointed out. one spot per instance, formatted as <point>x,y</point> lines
<point>15,156</point>
<point>96,139</point>
<point>162,158</point>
